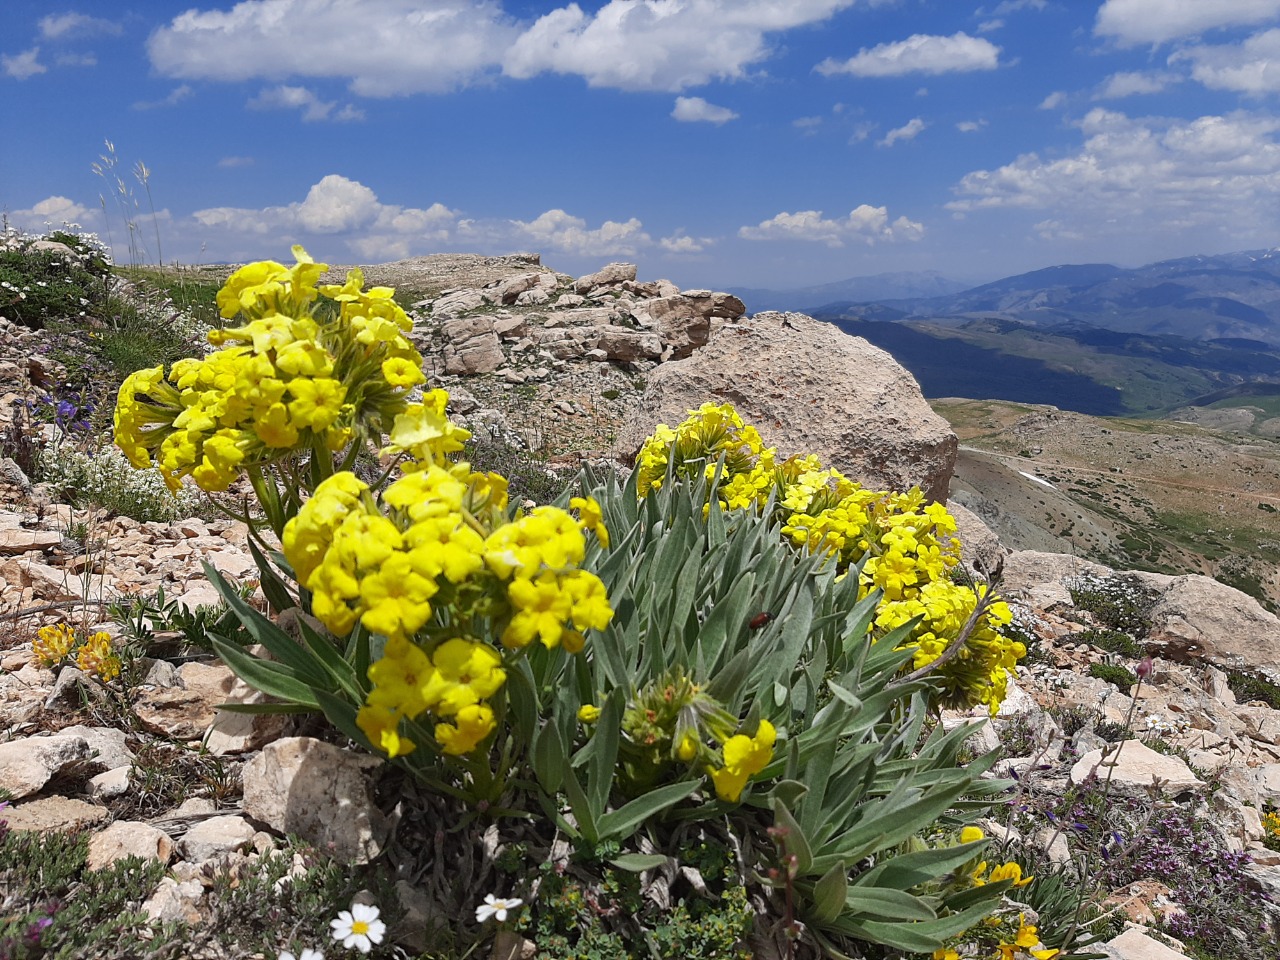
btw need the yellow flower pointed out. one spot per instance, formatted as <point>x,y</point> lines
<point>588,713</point>
<point>743,758</point>
<point>97,656</point>
<point>467,671</point>
<point>591,517</point>
<point>971,834</point>
<point>381,725</point>
<point>52,644</point>
<point>401,372</point>
<point>1010,871</point>
<point>945,953</point>
<point>473,724</point>
<point>688,749</point>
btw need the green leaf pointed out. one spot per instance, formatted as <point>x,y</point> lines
<point>796,842</point>
<point>829,893</point>
<point>342,715</point>
<point>912,869</point>
<point>620,824</point>
<point>580,806</point>
<point>638,862</point>
<point>549,757</point>
<point>281,646</point>
<point>788,792</point>
<point>885,903</point>
<point>604,757</point>
<point>273,586</point>
<point>268,676</point>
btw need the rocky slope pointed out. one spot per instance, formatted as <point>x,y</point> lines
<point>578,368</point>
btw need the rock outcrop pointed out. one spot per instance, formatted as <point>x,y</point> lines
<point>809,388</point>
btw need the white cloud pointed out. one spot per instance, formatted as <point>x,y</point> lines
<point>971,126</point>
<point>990,26</point>
<point>1013,6</point>
<point>176,96</point>
<point>340,207</point>
<point>808,125</point>
<point>908,131</point>
<point>230,162</point>
<point>866,223</point>
<point>1133,22</point>
<point>300,98</point>
<point>1127,84</point>
<point>697,110</point>
<point>391,47</point>
<point>557,230</point>
<point>23,65</point>
<point>680,243</point>
<point>921,53</point>
<point>1250,67</point>
<point>1053,101</point>
<point>51,212</point>
<point>659,44</point>
<point>67,25</point>
<point>385,47</point>
<point>1147,174</point>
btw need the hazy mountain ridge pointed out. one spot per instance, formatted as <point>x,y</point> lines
<point>1224,296</point>
<point>881,286</point>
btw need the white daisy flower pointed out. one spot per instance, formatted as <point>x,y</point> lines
<point>494,907</point>
<point>307,954</point>
<point>358,927</point>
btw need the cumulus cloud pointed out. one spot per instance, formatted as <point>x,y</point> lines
<point>1132,22</point>
<point>76,60</point>
<point>908,131</point>
<point>659,44</point>
<point>23,65</point>
<point>336,206</point>
<point>697,110</point>
<point>921,53</point>
<point>384,47</point>
<point>680,243</point>
<point>52,212</point>
<point>558,230</point>
<point>1146,174</point>
<point>231,162</point>
<point>1251,67</point>
<point>865,223</point>
<point>971,126</point>
<point>1127,84</point>
<point>1053,101</point>
<point>300,98</point>
<point>63,26</point>
<point>391,47</point>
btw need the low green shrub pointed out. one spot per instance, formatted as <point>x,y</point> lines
<point>1113,673</point>
<point>1251,686</point>
<point>1112,641</point>
<point>1118,602</point>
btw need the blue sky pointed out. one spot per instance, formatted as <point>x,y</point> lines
<point>714,142</point>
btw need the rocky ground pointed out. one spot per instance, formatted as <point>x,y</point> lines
<point>572,369</point>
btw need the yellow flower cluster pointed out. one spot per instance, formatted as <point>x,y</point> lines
<point>1025,943</point>
<point>906,547</point>
<point>95,655</point>
<point>298,374</point>
<point>1007,871</point>
<point>440,537</point>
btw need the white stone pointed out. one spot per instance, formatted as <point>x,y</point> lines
<point>128,838</point>
<point>215,837</point>
<point>1132,767</point>
<point>27,765</point>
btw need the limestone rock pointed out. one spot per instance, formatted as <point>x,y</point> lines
<point>233,732</point>
<point>50,814</point>
<point>1133,944</point>
<point>1027,572</point>
<point>1198,618</point>
<point>318,791</point>
<point>27,765</point>
<point>808,388</point>
<point>611,275</point>
<point>109,783</point>
<point>471,346</point>
<point>215,837</point>
<point>107,746</point>
<point>980,548</point>
<point>128,838</point>
<point>1136,766</point>
<point>186,712</point>
<point>628,345</point>
<point>16,540</point>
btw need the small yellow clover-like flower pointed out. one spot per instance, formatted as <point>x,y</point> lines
<point>744,757</point>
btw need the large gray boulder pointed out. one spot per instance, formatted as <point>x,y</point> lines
<point>808,388</point>
<point>1198,618</point>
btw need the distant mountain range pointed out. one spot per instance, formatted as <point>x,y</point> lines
<point>1232,296</point>
<point>883,286</point>
<point>1093,338</point>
